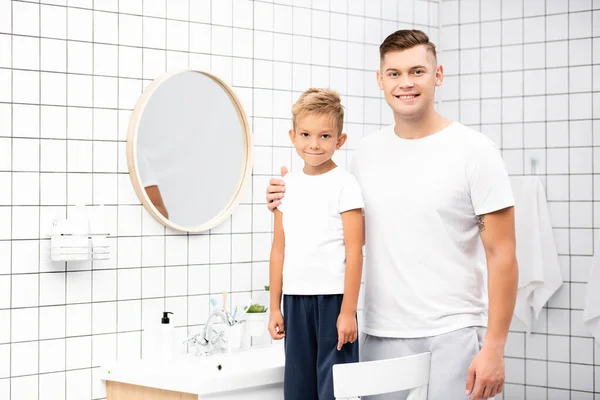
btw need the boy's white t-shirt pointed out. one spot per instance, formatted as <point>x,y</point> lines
<point>425,269</point>
<point>315,256</point>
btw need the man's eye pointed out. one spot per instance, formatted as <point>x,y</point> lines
<point>393,74</point>
<point>419,72</point>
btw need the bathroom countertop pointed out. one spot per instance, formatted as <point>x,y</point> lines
<point>203,375</point>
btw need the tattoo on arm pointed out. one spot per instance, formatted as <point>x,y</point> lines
<point>480,222</point>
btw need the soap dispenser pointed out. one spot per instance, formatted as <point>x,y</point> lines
<point>165,338</point>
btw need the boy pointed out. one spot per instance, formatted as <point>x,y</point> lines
<point>316,256</point>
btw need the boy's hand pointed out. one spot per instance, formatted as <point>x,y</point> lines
<point>275,190</point>
<point>347,329</point>
<point>276,325</point>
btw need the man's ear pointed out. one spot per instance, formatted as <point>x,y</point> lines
<point>439,75</point>
<point>341,140</point>
<point>379,79</point>
<point>292,135</point>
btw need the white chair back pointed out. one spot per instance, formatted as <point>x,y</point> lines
<point>352,380</point>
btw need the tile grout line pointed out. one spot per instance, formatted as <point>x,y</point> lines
<point>40,199</point>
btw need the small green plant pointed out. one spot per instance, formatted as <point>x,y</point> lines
<point>267,288</point>
<point>255,308</point>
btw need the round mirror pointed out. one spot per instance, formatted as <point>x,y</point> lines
<point>189,150</point>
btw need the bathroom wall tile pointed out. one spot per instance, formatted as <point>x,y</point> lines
<point>580,25</point>
<point>580,52</point>
<point>79,352</point>
<point>5,258</point>
<point>104,349</point>
<point>175,250</point>
<point>104,285</point>
<point>220,275</point>
<point>582,377</point>
<point>580,160</point>
<point>580,133</point>
<point>153,282</point>
<point>26,121</point>
<point>535,372</point>
<point>559,213</point>
<point>129,316</point>
<point>129,252</point>
<point>52,322</point>
<point>52,355</point>
<point>25,19</point>
<point>25,290</point>
<point>24,358</point>
<point>176,281</point>
<point>78,383</point>
<point>25,387</point>
<point>582,242</point>
<point>24,325</point>
<point>129,284</point>
<point>581,187</point>
<point>52,384</point>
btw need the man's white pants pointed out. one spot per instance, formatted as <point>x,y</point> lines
<point>451,356</point>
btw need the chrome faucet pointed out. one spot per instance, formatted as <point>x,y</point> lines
<point>208,337</point>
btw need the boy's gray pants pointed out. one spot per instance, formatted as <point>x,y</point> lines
<point>451,356</point>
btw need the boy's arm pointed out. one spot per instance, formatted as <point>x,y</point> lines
<point>352,221</point>
<point>276,262</point>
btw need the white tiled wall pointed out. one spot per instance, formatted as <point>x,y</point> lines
<point>526,73</point>
<point>70,73</point>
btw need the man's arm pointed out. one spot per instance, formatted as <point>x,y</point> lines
<point>497,230</point>
<point>498,236</point>
<point>154,195</point>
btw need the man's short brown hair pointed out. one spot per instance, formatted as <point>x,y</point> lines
<point>320,102</point>
<point>405,39</point>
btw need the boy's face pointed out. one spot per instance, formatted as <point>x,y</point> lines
<point>316,139</point>
<point>408,79</point>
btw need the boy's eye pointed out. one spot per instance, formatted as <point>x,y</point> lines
<point>326,136</point>
<point>304,134</point>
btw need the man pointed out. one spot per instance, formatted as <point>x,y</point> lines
<point>438,209</point>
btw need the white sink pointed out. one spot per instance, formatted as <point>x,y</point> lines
<point>249,374</point>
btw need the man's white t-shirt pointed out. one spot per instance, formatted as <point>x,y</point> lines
<point>425,270</point>
<point>315,256</point>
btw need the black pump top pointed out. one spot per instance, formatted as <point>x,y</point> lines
<point>165,319</point>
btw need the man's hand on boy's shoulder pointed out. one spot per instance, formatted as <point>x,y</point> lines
<point>275,190</point>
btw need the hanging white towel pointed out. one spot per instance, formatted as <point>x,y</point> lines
<point>539,270</point>
<point>591,313</point>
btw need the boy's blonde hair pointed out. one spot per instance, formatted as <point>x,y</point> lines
<point>320,102</point>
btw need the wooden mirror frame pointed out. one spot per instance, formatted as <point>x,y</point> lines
<point>132,157</point>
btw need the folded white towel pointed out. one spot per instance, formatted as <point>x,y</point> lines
<point>539,270</point>
<point>591,313</point>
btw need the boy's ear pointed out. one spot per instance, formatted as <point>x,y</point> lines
<point>341,140</point>
<point>292,135</point>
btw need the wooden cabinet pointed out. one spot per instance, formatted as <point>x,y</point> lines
<point>125,391</point>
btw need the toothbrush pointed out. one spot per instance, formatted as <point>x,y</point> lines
<point>235,311</point>
<point>213,302</point>
<point>224,300</point>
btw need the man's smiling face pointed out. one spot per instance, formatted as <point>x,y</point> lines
<point>408,79</point>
